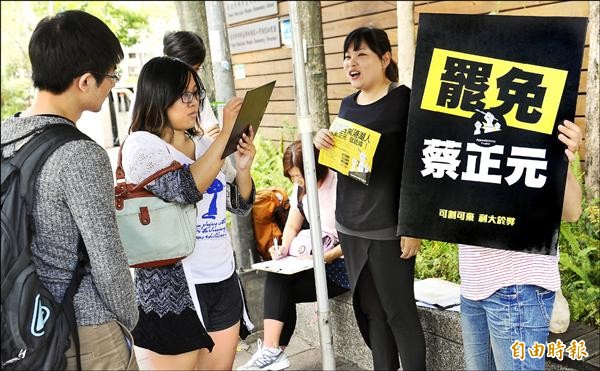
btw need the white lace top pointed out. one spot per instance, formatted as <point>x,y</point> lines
<point>212,260</point>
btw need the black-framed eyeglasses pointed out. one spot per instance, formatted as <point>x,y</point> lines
<point>115,77</point>
<point>188,96</point>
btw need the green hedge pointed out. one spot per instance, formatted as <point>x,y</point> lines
<point>579,255</point>
<point>267,168</point>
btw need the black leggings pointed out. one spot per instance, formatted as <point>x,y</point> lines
<point>283,291</point>
<point>384,295</point>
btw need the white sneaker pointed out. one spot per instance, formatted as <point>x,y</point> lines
<point>267,359</point>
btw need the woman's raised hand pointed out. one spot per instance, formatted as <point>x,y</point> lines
<point>230,113</point>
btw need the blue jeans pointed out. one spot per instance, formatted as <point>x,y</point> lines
<point>490,327</point>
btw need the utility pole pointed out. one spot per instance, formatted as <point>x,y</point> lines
<point>310,178</point>
<point>309,13</point>
<point>241,226</point>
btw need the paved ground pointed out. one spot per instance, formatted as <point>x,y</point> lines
<point>302,355</point>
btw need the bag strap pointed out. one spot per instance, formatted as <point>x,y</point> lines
<point>67,305</point>
<point>120,173</point>
<point>29,133</point>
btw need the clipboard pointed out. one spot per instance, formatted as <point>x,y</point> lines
<point>286,265</point>
<point>251,113</point>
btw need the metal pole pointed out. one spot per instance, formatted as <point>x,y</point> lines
<point>310,180</point>
<point>241,226</point>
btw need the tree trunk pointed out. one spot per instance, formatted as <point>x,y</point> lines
<point>309,13</point>
<point>406,41</point>
<point>592,140</point>
<point>192,17</point>
<point>242,236</point>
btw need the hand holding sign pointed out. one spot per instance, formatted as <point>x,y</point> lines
<point>570,135</point>
<point>245,151</point>
<point>323,139</point>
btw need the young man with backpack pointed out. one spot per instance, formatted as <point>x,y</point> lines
<point>70,228</point>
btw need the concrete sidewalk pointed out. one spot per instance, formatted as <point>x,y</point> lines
<point>302,355</point>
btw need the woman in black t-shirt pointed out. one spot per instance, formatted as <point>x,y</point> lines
<point>380,263</point>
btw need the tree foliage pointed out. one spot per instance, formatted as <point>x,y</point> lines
<point>19,19</point>
<point>126,24</point>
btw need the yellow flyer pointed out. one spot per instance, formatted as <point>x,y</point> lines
<point>353,152</point>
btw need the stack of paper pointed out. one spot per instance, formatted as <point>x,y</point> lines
<point>437,293</point>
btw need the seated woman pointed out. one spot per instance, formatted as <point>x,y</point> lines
<point>282,291</point>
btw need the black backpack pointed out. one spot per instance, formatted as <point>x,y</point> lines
<point>35,328</point>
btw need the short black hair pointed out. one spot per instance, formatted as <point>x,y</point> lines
<point>185,45</point>
<point>161,82</point>
<point>68,45</point>
<point>377,40</point>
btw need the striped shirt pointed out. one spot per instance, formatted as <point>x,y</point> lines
<point>484,270</point>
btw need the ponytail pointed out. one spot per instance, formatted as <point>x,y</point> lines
<point>391,72</point>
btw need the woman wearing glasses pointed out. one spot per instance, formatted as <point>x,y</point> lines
<point>192,312</point>
<point>189,47</point>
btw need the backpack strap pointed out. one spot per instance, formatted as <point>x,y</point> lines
<point>29,133</point>
<point>33,154</point>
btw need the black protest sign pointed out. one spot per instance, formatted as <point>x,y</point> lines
<point>483,164</point>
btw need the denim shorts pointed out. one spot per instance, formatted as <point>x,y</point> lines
<point>490,328</point>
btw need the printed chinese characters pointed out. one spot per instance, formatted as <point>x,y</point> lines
<point>440,157</point>
<point>556,349</point>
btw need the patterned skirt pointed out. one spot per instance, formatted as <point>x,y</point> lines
<point>168,323</point>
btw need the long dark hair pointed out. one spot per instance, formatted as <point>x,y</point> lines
<point>377,40</point>
<point>161,82</point>
<point>292,156</point>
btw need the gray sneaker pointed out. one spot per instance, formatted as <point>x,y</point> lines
<point>267,359</point>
